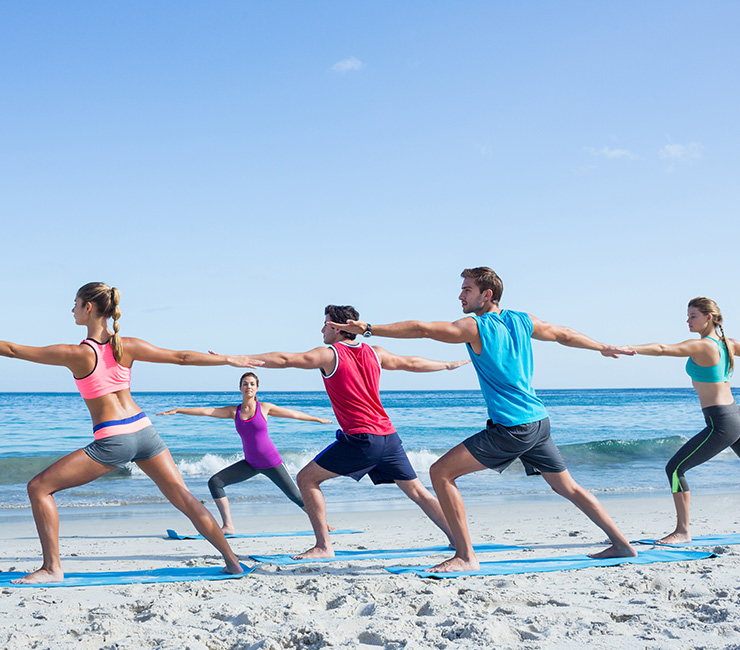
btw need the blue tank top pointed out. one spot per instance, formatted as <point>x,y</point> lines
<point>505,367</point>
<point>711,374</point>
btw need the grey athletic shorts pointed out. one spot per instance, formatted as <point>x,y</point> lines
<point>126,447</point>
<point>498,446</point>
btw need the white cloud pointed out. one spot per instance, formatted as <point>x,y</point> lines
<point>606,152</point>
<point>680,152</point>
<point>347,65</point>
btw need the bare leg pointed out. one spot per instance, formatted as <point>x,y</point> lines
<point>682,534</point>
<point>423,498</point>
<point>565,486</point>
<point>223,508</point>
<point>74,469</point>
<point>455,463</point>
<point>309,479</point>
<point>329,527</point>
<point>162,470</point>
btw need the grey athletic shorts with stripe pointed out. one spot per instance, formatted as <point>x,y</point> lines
<point>126,447</point>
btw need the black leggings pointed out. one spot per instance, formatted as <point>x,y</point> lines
<point>722,431</point>
<point>242,470</point>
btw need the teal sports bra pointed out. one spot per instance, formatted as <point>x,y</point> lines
<point>711,374</point>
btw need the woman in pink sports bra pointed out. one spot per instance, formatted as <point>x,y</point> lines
<point>101,365</point>
<point>260,454</point>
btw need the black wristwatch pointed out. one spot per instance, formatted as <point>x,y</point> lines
<point>368,332</point>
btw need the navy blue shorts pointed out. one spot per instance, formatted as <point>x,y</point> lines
<point>498,446</point>
<point>382,458</point>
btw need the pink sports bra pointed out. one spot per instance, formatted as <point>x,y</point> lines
<point>108,376</point>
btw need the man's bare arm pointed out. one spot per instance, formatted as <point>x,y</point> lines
<point>464,330</point>
<point>544,331</point>
<point>390,361</point>
<point>312,359</point>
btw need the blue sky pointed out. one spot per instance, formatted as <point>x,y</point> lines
<point>233,167</point>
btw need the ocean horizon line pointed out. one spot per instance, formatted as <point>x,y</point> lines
<point>393,390</point>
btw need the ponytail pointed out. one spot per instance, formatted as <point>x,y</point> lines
<point>730,355</point>
<point>115,341</point>
<point>105,300</point>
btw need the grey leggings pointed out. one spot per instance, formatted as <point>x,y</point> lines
<point>722,431</point>
<point>242,470</point>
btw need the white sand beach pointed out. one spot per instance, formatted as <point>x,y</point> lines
<point>358,604</point>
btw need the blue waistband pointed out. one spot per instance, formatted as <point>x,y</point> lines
<point>111,423</point>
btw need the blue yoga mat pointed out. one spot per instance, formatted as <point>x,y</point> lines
<point>564,563</point>
<point>383,554</point>
<point>169,574</point>
<point>295,533</point>
<point>706,540</point>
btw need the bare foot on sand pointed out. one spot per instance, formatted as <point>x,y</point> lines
<point>40,577</point>
<point>614,551</point>
<point>314,553</point>
<point>228,530</point>
<point>455,564</point>
<point>331,528</point>
<point>234,568</point>
<point>676,537</point>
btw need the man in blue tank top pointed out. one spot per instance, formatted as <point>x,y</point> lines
<point>499,342</point>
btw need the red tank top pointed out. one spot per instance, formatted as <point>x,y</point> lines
<point>354,390</point>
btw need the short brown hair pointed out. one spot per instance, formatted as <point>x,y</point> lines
<point>341,314</point>
<point>485,278</point>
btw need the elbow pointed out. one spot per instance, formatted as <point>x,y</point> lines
<point>7,350</point>
<point>422,330</point>
<point>279,361</point>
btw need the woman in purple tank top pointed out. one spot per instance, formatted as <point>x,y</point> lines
<point>260,454</point>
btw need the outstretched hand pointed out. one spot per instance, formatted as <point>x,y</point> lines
<point>170,412</point>
<point>351,326</point>
<point>240,360</point>
<point>614,352</point>
<point>456,364</point>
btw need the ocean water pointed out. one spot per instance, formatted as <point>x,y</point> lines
<point>613,441</point>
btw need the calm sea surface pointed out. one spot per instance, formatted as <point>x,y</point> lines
<point>612,441</point>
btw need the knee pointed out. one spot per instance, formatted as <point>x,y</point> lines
<point>35,488</point>
<point>216,487</point>
<point>569,489</point>
<point>437,472</point>
<point>304,479</point>
<point>414,490</point>
<point>557,490</point>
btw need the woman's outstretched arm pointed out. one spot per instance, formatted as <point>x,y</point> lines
<point>280,412</point>
<point>683,349</point>
<point>75,357</point>
<point>140,350</point>
<point>208,411</point>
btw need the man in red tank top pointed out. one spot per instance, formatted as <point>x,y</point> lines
<point>367,442</point>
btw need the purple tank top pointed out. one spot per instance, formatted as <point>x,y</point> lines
<point>259,450</point>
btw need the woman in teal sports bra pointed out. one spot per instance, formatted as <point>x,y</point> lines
<point>710,364</point>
